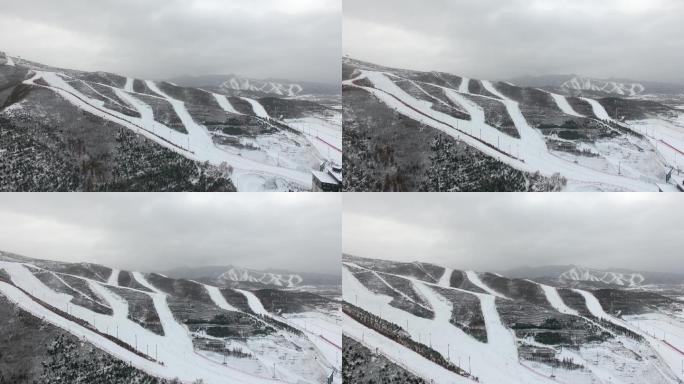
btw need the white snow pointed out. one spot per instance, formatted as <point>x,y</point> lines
<point>254,302</point>
<point>129,85</point>
<point>593,305</point>
<point>289,90</point>
<point>174,349</point>
<point>325,134</point>
<point>652,323</point>
<point>617,278</point>
<point>475,279</point>
<point>323,331</point>
<point>528,153</point>
<point>556,301</point>
<point>450,341</point>
<point>257,108</point>
<point>218,298</point>
<point>114,277</point>
<point>10,61</point>
<point>598,109</point>
<point>399,354</point>
<point>445,280</point>
<point>251,170</point>
<point>225,104</point>
<point>463,87</point>
<point>497,360</point>
<point>583,83</point>
<point>563,104</point>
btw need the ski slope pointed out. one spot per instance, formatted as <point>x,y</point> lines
<point>670,354</point>
<point>173,351</point>
<point>400,355</point>
<point>497,360</point>
<point>129,85</point>
<point>598,109</point>
<point>556,301</point>
<point>218,299</point>
<point>257,108</point>
<point>475,279</point>
<point>324,134</point>
<point>563,104</point>
<point>445,280</point>
<point>441,335</point>
<point>225,104</point>
<point>114,278</point>
<point>254,303</point>
<point>528,153</point>
<point>197,144</point>
<point>463,87</point>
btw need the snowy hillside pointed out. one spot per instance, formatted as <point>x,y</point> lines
<point>452,326</point>
<point>257,144</point>
<point>617,278</point>
<point>497,136</point>
<point>180,328</point>
<point>611,87</point>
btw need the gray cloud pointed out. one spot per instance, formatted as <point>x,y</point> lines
<point>158,232</point>
<point>498,39</point>
<point>153,39</point>
<point>495,232</point>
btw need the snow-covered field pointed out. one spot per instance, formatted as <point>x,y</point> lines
<point>278,162</point>
<point>173,355</point>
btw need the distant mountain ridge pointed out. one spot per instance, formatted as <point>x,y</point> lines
<point>243,274</point>
<point>226,275</point>
<point>587,274</point>
<point>234,84</point>
<point>579,83</point>
<point>573,84</point>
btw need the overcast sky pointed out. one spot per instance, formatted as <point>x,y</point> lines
<point>496,232</point>
<point>158,232</point>
<point>500,39</point>
<point>154,39</point>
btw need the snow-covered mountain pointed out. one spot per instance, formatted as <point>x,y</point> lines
<point>579,83</point>
<point>232,276</point>
<point>120,133</point>
<point>617,278</point>
<point>420,321</point>
<point>272,87</point>
<point>242,86</point>
<point>409,130</point>
<point>268,278</point>
<point>164,327</point>
<point>560,274</point>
